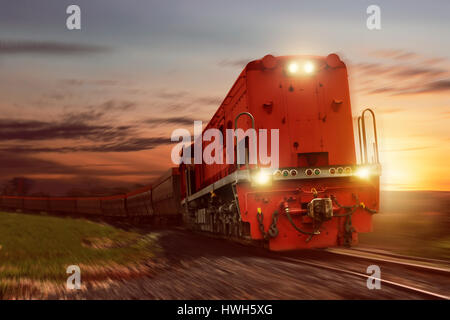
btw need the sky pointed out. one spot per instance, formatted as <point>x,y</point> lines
<point>97,106</point>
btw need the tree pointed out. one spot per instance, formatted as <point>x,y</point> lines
<point>18,186</point>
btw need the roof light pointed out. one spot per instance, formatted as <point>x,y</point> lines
<point>293,67</point>
<point>309,67</point>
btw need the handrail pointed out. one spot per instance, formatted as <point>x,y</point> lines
<point>188,181</point>
<point>363,126</point>
<point>359,138</point>
<point>235,127</point>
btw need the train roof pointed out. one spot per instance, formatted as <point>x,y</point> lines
<point>269,62</point>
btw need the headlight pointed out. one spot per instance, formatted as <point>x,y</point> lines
<point>262,177</point>
<point>309,67</point>
<point>301,67</point>
<point>293,67</point>
<point>363,173</point>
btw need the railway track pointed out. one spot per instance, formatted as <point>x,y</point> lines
<point>320,258</point>
<point>400,256</point>
<point>426,294</point>
<point>435,266</point>
<point>350,262</point>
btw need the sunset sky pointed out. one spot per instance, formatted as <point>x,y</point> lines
<point>97,106</point>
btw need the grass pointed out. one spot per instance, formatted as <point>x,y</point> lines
<point>416,235</point>
<point>42,247</point>
<point>413,223</point>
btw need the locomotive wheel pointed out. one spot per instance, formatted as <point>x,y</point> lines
<point>236,229</point>
<point>217,222</point>
<point>220,227</point>
<point>228,229</point>
<point>216,227</point>
<point>240,229</point>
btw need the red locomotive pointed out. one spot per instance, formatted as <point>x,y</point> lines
<point>318,196</point>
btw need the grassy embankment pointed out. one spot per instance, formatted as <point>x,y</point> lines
<point>40,248</point>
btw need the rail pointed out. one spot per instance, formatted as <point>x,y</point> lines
<point>393,284</point>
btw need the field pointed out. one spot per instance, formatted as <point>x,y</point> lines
<point>413,223</point>
<point>36,250</point>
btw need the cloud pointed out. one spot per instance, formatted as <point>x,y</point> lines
<point>436,86</point>
<point>96,113</point>
<point>84,177</point>
<point>236,63</point>
<point>214,101</point>
<point>408,149</point>
<point>389,110</point>
<point>434,61</point>
<point>431,87</point>
<point>171,95</point>
<point>83,131</point>
<point>396,54</point>
<point>54,48</point>
<point>400,55</point>
<point>112,105</point>
<point>90,124</point>
<point>33,130</point>
<point>187,98</point>
<point>383,90</point>
<point>124,145</point>
<point>407,72</point>
<point>173,120</point>
<point>410,74</point>
<point>182,102</point>
<point>397,72</point>
<point>86,130</point>
<point>81,82</point>
<point>76,129</point>
<point>73,82</point>
<point>132,144</point>
<point>446,115</point>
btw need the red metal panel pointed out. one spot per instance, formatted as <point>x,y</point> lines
<point>270,199</point>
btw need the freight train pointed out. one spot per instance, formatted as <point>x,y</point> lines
<point>319,195</point>
<point>157,204</point>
